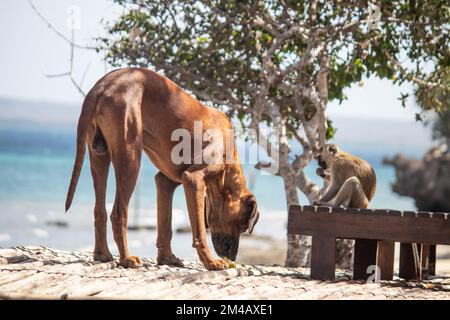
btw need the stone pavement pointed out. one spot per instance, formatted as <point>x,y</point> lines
<point>44,273</point>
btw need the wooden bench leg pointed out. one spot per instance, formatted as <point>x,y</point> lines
<point>407,269</point>
<point>323,257</point>
<point>432,261</point>
<point>385,259</point>
<point>425,261</point>
<point>365,256</point>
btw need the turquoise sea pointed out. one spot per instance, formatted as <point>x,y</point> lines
<point>35,168</point>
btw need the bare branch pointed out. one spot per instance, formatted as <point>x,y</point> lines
<point>259,22</point>
<point>322,86</point>
<point>310,129</point>
<point>309,188</point>
<point>411,77</point>
<point>56,31</point>
<point>223,91</point>
<point>265,166</point>
<point>313,13</point>
<point>298,137</point>
<point>314,48</point>
<point>73,45</point>
<point>206,97</point>
<point>264,142</point>
<point>77,86</point>
<point>281,38</point>
<point>69,73</point>
<point>84,74</point>
<point>58,75</point>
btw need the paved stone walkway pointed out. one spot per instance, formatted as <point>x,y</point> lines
<point>44,273</point>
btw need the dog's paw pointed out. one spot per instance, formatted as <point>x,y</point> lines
<point>170,260</point>
<point>102,257</point>
<point>220,264</point>
<point>131,262</point>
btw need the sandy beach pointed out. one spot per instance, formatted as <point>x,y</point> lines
<point>269,251</point>
<point>47,273</point>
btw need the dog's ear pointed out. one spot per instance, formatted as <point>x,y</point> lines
<point>252,212</point>
<point>232,181</point>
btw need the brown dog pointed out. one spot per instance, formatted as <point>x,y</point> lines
<point>130,110</point>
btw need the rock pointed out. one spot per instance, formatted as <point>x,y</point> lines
<point>183,229</point>
<point>138,227</point>
<point>425,180</point>
<point>56,223</point>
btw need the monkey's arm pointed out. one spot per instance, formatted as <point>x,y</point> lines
<point>330,194</point>
<point>324,174</point>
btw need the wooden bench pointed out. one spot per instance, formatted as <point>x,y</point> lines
<point>375,233</point>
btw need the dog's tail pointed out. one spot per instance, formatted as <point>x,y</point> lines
<point>83,124</point>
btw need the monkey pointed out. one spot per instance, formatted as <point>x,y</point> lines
<point>351,180</point>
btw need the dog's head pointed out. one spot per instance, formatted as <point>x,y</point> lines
<point>230,210</point>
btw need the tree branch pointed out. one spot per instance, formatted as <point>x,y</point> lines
<point>411,77</point>
<point>56,31</point>
<point>309,188</point>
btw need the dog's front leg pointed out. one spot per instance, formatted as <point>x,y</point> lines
<point>165,189</point>
<point>195,189</point>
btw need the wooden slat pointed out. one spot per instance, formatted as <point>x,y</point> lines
<point>424,214</point>
<point>395,213</point>
<point>439,215</point>
<point>385,259</point>
<point>424,261</point>
<point>380,212</point>
<point>323,257</point>
<point>365,256</point>
<point>410,214</point>
<point>339,210</point>
<point>323,209</point>
<point>361,226</point>
<point>309,208</point>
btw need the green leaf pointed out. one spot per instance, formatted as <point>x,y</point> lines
<point>419,117</point>
<point>331,130</point>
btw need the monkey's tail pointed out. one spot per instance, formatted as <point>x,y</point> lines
<point>84,121</point>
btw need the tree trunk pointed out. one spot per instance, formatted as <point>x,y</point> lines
<point>298,247</point>
<point>302,245</point>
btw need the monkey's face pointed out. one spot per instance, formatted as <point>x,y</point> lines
<point>324,157</point>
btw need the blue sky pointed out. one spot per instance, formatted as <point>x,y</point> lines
<point>29,49</point>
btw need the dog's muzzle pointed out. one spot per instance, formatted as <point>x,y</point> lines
<point>226,246</point>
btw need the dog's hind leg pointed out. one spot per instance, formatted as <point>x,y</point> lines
<point>127,170</point>
<point>99,170</point>
<point>126,159</point>
<point>165,189</point>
